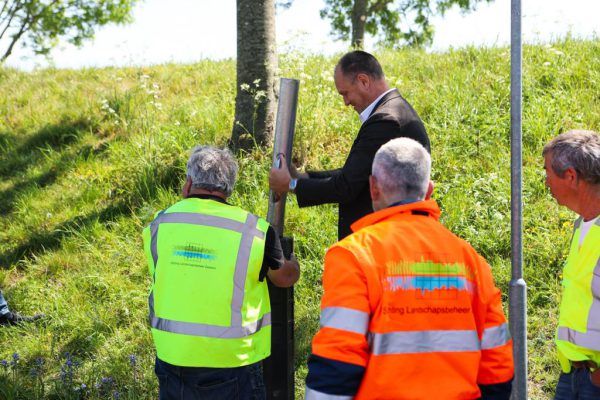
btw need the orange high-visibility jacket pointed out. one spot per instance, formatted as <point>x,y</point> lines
<point>409,311</point>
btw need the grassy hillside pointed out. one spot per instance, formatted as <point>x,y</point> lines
<point>87,157</point>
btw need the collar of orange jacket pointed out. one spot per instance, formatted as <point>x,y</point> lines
<point>429,206</point>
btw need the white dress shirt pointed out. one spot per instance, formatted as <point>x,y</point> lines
<point>367,111</point>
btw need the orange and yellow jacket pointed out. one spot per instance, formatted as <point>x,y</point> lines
<point>409,311</point>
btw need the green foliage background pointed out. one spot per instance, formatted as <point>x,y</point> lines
<point>88,156</point>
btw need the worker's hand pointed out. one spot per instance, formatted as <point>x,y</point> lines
<point>287,274</point>
<point>279,178</point>
<point>297,174</point>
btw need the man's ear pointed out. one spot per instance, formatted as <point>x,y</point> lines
<point>364,81</point>
<point>374,188</point>
<point>187,187</point>
<point>571,176</point>
<point>430,188</point>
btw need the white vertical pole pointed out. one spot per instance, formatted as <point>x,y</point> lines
<point>518,287</point>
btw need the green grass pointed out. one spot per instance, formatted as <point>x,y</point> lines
<point>88,156</point>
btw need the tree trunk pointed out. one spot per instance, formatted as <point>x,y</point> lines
<point>256,65</point>
<point>359,19</point>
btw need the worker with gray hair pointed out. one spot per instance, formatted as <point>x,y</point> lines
<point>209,304</point>
<point>396,180</point>
<point>572,164</point>
<point>406,302</point>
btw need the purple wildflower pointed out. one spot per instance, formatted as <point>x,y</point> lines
<point>133,360</point>
<point>15,359</point>
<point>67,370</point>
<point>38,368</point>
<point>107,380</point>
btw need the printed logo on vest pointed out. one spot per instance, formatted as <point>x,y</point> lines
<point>194,255</point>
<point>428,279</point>
<point>425,310</point>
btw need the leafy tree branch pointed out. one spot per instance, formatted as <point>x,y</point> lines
<point>40,24</point>
<point>395,22</point>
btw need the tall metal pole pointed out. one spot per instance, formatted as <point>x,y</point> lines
<point>285,124</point>
<point>279,367</point>
<point>518,287</point>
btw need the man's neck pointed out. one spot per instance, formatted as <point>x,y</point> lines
<point>206,193</point>
<point>366,113</point>
<point>590,212</point>
<point>588,204</point>
<point>403,202</point>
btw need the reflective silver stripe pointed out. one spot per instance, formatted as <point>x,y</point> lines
<point>495,337</point>
<point>424,342</point>
<point>596,288</point>
<point>151,306</point>
<point>214,331</point>
<point>249,231</point>
<point>154,238</point>
<point>208,220</point>
<point>311,394</point>
<point>576,226</point>
<point>589,340</point>
<point>345,319</point>
<point>594,314</point>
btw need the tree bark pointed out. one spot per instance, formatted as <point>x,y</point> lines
<point>359,19</point>
<point>256,65</point>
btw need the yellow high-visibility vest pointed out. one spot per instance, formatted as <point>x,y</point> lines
<point>207,307</point>
<point>578,334</point>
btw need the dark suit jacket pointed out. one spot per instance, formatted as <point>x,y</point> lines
<point>391,118</point>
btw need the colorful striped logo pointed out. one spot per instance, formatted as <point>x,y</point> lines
<point>428,276</point>
<point>193,252</point>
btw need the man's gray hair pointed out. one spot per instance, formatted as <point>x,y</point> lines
<point>212,169</point>
<point>577,149</point>
<point>402,168</point>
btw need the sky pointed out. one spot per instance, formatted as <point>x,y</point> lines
<point>185,31</point>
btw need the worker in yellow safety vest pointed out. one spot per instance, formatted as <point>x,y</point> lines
<point>209,303</point>
<point>572,164</point>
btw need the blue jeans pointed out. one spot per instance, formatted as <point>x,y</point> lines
<point>3,305</point>
<point>196,383</point>
<point>576,385</point>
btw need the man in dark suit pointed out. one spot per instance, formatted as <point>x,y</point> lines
<point>384,114</point>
